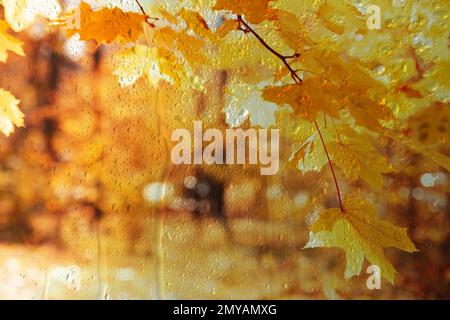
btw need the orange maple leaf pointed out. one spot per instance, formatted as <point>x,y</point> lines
<point>106,25</point>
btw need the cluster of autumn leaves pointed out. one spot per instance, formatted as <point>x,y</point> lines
<point>10,114</point>
<point>274,52</point>
<point>19,15</point>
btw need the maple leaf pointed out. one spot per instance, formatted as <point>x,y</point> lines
<point>20,14</point>
<point>338,16</point>
<point>318,95</point>
<point>168,16</point>
<point>301,152</point>
<point>135,62</point>
<point>107,25</point>
<point>180,55</point>
<point>255,11</point>
<point>308,99</point>
<point>8,43</point>
<point>343,84</point>
<point>196,23</point>
<point>307,152</point>
<point>357,157</point>
<point>226,27</point>
<point>360,233</point>
<point>291,30</point>
<point>10,114</point>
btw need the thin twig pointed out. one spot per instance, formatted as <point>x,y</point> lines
<point>147,17</point>
<point>331,167</point>
<point>283,58</point>
<point>297,80</point>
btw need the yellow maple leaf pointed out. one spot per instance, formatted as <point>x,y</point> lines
<point>355,155</point>
<point>10,114</point>
<point>299,154</point>
<point>316,95</point>
<point>179,54</point>
<point>308,99</point>
<point>226,27</point>
<point>105,25</point>
<point>20,14</point>
<point>255,11</point>
<point>135,62</point>
<point>8,43</point>
<point>361,234</point>
<point>291,30</point>
<point>337,16</point>
<point>342,82</point>
<point>196,23</point>
<point>307,153</point>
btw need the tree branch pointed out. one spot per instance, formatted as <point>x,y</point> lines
<point>298,80</point>
<point>341,206</point>
<point>147,17</point>
<point>283,58</point>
